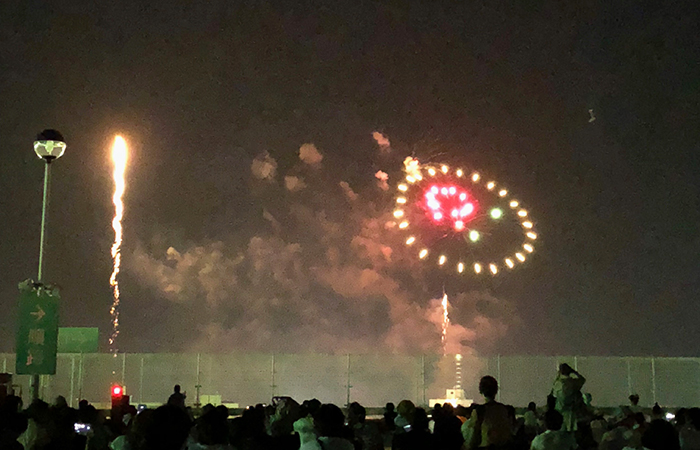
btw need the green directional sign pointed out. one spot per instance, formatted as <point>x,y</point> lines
<point>37,335</point>
<point>78,340</point>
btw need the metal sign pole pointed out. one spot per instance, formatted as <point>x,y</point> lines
<point>36,380</point>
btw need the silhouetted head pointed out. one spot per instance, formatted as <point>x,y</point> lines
<point>140,426</point>
<point>12,404</point>
<point>420,420</point>
<point>681,417</point>
<point>389,407</point>
<point>60,402</point>
<point>89,414</point>
<point>437,411</point>
<point>553,420</point>
<point>309,407</point>
<point>565,369</point>
<point>488,387</point>
<point>634,399</point>
<point>169,428</point>
<point>212,428</point>
<point>287,411</point>
<point>660,435</point>
<point>694,417</point>
<point>253,421</point>
<point>177,388</point>
<point>532,407</point>
<point>511,412</point>
<point>329,420</point>
<point>222,411</point>
<point>38,410</point>
<point>406,409</point>
<point>356,414</point>
<point>448,410</point>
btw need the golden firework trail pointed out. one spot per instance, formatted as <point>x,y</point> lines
<point>445,322</point>
<point>119,157</point>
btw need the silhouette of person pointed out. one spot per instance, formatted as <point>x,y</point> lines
<point>567,395</point>
<point>177,398</point>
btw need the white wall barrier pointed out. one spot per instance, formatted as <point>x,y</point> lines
<point>371,379</point>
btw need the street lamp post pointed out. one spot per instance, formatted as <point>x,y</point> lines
<point>49,146</point>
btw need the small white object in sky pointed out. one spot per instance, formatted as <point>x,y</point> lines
<point>592,119</point>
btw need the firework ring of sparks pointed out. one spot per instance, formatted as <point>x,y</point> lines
<point>445,197</point>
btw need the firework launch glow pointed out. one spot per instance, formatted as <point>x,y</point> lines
<point>445,322</point>
<point>119,158</point>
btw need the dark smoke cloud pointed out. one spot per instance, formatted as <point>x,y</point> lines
<point>323,273</point>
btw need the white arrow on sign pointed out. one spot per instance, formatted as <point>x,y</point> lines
<point>39,313</point>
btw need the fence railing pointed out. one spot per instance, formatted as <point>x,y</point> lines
<point>371,379</point>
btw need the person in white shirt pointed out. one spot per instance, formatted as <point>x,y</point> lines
<point>631,409</point>
<point>554,438</point>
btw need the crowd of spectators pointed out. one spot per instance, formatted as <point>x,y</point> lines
<point>568,422</point>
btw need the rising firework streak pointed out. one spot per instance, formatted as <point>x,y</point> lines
<point>445,322</point>
<point>119,157</point>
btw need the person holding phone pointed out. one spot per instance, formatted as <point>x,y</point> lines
<point>567,396</point>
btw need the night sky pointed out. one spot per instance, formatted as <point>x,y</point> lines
<point>234,242</point>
